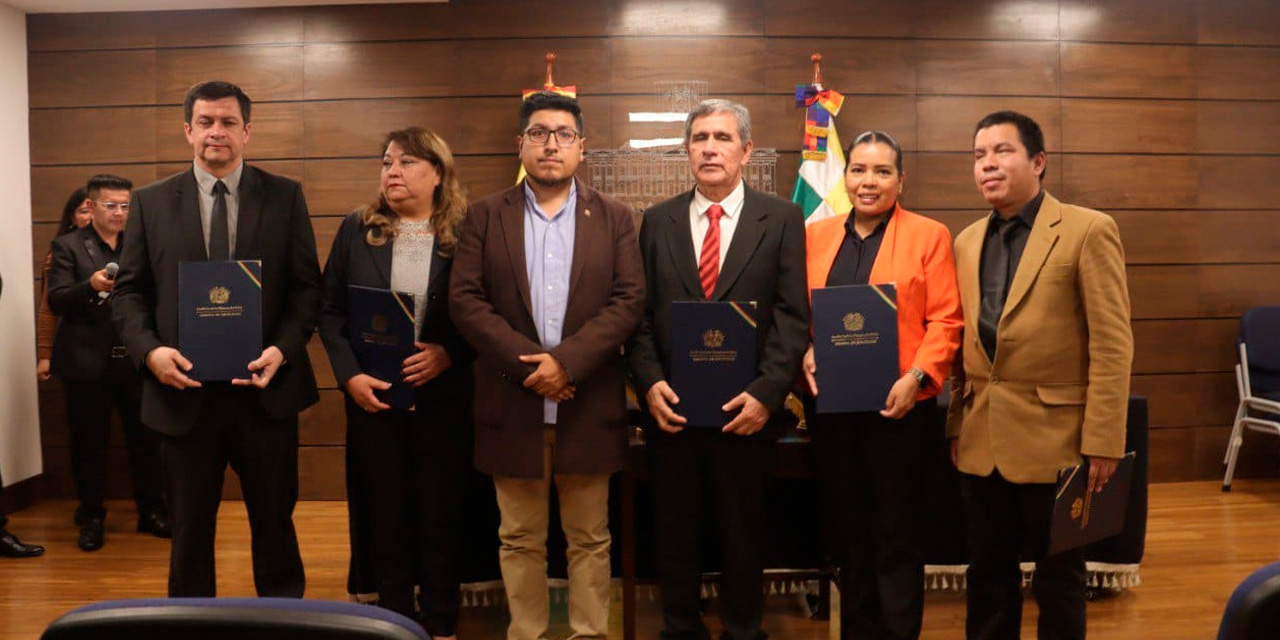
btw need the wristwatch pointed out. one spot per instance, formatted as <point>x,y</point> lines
<point>921,378</point>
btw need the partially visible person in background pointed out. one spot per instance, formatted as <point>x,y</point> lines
<point>10,545</point>
<point>76,214</point>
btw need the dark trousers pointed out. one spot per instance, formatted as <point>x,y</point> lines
<point>4,519</point>
<point>233,429</point>
<point>410,470</point>
<point>1004,519</point>
<point>89,406</point>
<point>703,478</point>
<point>872,476</point>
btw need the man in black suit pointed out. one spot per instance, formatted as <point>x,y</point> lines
<point>759,240</point>
<point>90,359</point>
<point>223,209</point>
<point>10,545</point>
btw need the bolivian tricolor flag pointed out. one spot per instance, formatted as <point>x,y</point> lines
<point>820,187</point>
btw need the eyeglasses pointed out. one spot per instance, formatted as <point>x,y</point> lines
<point>564,137</point>
<point>114,206</point>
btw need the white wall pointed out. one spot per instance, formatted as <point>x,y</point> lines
<point>19,413</point>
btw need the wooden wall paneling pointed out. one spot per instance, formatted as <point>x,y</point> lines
<point>1155,21</point>
<point>946,122</point>
<point>51,186</point>
<point>986,68</point>
<point>1131,181</point>
<point>1128,71</point>
<point>1172,454</point>
<point>80,31</point>
<point>986,19</point>
<point>470,19</point>
<point>276,132</point>
<point>638,63</point>
<point>809,18</point>
<point>1188,399</point>
<point>511,66</point>
<point>336,187</point>
<point>1237,127</point>
<point>102,135</point>
<point>1128,126</point>
<point>355,128</point>
<point>265,73</point>
<point>42,234</point>
<point>945,181</point>
<point>91,78</point>
<point>1238,22</point>
<point>325,229</point>
<point>1199,236</point>
<point>56,479</point>
<point>1201,291</point>
<point>686,17</point>
<point>483,175</point>
<point>1241,182</point>
<point>851,66</point>
<point>320,363</point>
<point>223,28</point>
<point>322,473</point>
<point>1238,73</point>
<point>896,115</point>
<point>323,423</point>
<point>955,220</point>
<point>1184,346</point>
<point>1257,458</point>
<point>380,69</point>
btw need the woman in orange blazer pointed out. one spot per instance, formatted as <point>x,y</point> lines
<point>870,463</point>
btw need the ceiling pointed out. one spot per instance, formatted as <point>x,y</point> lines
<point>88,6</point>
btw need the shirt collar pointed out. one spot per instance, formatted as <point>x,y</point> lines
<point>880,227</point>
<point>1026,216</point>
<point>731,204</point>
<point>206,180</point>
<point>570,203</point>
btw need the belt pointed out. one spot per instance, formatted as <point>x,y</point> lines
<point>118,351</point>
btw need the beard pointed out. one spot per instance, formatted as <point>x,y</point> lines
<point>549,184</point>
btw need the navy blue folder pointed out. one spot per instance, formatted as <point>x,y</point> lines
<point>713,357</point>
<point>855,344</point>
<point>1081,517</point>
<point>380,330</point>
<point>220,317</point>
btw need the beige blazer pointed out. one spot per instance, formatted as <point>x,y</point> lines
<point>1059,386</point>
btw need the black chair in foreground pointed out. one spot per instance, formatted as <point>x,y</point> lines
<point>1253,612</point>
<point>232,618</point>
<point>1257,381</point>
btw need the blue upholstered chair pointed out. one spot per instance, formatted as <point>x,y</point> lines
<point>1257,381</point>
<point>1253,612</point>
<point>232,618</point>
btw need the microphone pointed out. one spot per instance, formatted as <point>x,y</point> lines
<point>112,269</point>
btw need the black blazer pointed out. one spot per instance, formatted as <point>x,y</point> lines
<point>354,261</point>
<point>765,262</point>
<point>82,345</point>
<point>164,229</point>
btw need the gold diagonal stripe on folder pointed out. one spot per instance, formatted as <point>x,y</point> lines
<point>887,300</point>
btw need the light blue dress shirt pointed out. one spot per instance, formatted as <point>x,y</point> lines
<point>548,255</point>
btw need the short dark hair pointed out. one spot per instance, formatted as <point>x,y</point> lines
<point>215,90</point>
<point>544,100</point>
<point>1029,132</point>
<point>105,181</point>
<point>67,223</point>
<point>872,137</point>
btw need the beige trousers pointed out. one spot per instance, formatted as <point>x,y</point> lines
<point>584,514</point>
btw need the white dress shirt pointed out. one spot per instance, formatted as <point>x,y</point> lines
<point>698,221</point>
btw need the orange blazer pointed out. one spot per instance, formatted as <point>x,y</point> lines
<point>915,255</point>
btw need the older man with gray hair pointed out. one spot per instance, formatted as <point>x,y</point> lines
<point>720,241</point>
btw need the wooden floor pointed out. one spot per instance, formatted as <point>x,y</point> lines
<point>1200,544</point>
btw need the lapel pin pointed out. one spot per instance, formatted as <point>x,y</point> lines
<point>586,212</point>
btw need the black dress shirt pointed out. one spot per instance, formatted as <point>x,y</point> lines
<point>857,254</point>
<point>1001,252</point>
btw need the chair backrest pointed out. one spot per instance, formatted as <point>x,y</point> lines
<point>238,618</point>
<point>1253,612</point>
<point>1260,332</point>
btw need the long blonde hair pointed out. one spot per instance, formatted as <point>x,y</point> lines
<point>449,201</point>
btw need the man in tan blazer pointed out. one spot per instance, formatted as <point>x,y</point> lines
<point>547,283</point>
<point>1042,381</point>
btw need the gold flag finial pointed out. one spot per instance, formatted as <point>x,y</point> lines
<point>817,67</point>
<point>551,63</point>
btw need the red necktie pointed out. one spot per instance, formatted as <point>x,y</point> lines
<point>709,264</point>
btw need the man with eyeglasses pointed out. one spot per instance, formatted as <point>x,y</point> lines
<point>90,359</point>
<point>547,285</point>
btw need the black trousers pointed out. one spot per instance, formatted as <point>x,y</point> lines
<point>706,479</point>
<point>409,482</point>
<point>1006,520</point>
<point>4,519</point>
<point>89,406</point>
<point>871,470</point>
<point>233,429</point>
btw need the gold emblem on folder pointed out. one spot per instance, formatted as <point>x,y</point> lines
<point>854,321</point>
<point>713,338</point>
<point>1077,508</point>
<point>379,323</point>
<point>219,295</point>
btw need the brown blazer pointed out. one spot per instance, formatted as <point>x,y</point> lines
<point>1059,386</point>
<point>490,304</point>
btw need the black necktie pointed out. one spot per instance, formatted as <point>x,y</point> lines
<point>219,236</point>
<point>995,285</point>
